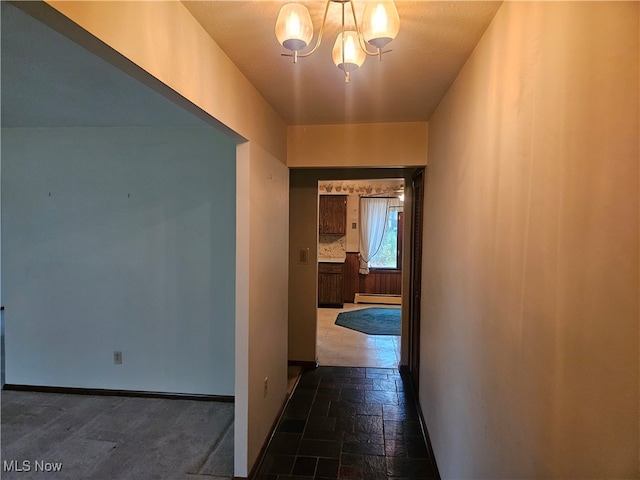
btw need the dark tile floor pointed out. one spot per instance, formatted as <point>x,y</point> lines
<point>349,423</point>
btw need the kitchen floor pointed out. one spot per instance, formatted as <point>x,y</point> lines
<point>340,346</point>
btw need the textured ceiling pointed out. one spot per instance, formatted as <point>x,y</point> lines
<point>435,40</point>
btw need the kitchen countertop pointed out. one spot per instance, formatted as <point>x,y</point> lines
<point>331,259</point>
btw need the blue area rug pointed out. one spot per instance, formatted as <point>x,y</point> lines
<point>372,321</point>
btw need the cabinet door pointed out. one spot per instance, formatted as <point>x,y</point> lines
<point>330,284</point>
<point>330,288</point>
<point>333,214</point>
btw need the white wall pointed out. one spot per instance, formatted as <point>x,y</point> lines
<point>162,40</point>
<point>529,341</point>
<point>119,239</point>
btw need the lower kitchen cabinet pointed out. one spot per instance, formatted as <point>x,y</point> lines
<point>330,285</point>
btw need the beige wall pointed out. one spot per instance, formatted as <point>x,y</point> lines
<point>268,282</point>
<point>183,63</point>
<point>303,217</point>
<point>303,278</point>
<point>357,145</point>
<point>529,365</point>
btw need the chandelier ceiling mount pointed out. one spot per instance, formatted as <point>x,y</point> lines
<point>380,25</point>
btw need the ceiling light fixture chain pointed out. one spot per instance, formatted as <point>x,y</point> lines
<point>380,25</point>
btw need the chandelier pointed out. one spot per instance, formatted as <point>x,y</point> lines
<point>380,25</point>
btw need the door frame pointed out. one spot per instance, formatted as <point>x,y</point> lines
<point>415,281</point>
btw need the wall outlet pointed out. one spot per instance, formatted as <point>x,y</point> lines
<point>266,386</point>
<point>117,358</point>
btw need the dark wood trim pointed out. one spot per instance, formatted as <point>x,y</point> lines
<point>400,239</point>
<point>408,379</point>
<point>120,393</point>
<point>305,364</point>
<point>384,270</point>
<point>415,275</point>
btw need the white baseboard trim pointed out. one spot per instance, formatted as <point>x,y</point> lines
<point>382,299</point>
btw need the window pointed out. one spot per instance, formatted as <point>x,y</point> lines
<point>390,253</point>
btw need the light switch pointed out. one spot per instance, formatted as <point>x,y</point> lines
<point>303,256</point>
<point>353,226</point>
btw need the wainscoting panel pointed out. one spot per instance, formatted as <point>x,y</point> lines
<point>380,282</point>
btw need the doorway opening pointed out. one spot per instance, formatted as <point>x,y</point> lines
<point>360,251</point>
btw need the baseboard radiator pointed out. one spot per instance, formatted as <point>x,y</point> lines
<point>373,298</point>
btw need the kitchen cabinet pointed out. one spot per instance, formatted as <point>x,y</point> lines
<point>330,285</point>
<point>333,215</point>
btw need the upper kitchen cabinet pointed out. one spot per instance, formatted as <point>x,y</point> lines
<point>333,215</point>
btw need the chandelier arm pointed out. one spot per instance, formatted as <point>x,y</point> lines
<point>317,45</point>
<point>363,46</point>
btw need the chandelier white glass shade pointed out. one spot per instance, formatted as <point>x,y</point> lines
<point>380,25</point>
<point>347,54</point>
<point>294,29</point>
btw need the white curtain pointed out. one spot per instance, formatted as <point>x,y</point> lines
<point>373,219</point>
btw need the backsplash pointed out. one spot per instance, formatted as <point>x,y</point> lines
<point>332,246</point>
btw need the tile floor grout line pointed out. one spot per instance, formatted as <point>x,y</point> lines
<point>306,420</point>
